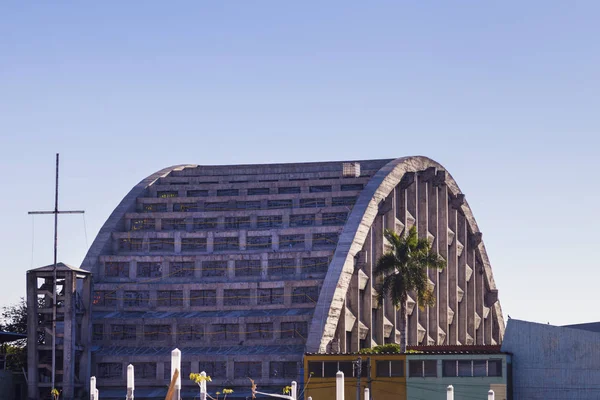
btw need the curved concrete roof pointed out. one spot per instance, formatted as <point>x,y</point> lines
<point>352,239</point>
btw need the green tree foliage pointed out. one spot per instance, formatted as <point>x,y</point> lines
<point>403,270</point>
<point>13,319</point>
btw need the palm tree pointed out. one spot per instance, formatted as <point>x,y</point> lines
<point>404,269</point>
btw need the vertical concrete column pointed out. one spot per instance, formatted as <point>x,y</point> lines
<point>243,235</point>
<point>231,269</point>
<point>412,216</point>
<point>389,222</point>
<point>70,325</point>
<point>462,282</point>
<point>32,338</point>
<point>275,240</point>
<point>177,241</point>
<point>158,224</point>
<point>210,242</point>
<point>367,303</point>
<point>423,229</point>
<point>341,329</point>
<point>451,268</point>
<point>471,287</point>
<point>432,221</point>
<point>264,265</point>
<point>132,269</point>
<point>308,244</point>
<point>442,247</point>
<point>354,305</point>
<point>377,250</point>
<point>479,290</point>
<point>85,364</point>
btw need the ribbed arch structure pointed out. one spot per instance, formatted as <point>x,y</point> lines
<point>246,267</point>
<point>406,192</point>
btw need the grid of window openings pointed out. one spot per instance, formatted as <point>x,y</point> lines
<point>472,368</point>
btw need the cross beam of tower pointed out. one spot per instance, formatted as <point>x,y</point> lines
<point>56,211</point>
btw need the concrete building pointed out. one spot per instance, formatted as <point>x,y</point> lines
<point>553,362</point>
<point>424,373</point>
<point>246,267</point>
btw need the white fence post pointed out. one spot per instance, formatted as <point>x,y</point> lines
<point>203,386</point>
<point>294,390</point>
<point>176,365</point>
<point>450,392</point>
<point>130,381</point>
<point>93,388</point>
<point>309,398</point>
<point>339,386</point>
<point>367,394</point>
<point>97,394</point>
<point>491,395</point>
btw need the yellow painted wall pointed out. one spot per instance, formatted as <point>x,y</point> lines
<point>381,388</point>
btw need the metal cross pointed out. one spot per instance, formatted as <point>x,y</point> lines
<point>55,212</point>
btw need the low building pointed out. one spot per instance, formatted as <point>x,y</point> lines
<point>553,362</point>
<point>424,373</point>
<point>12,381</point>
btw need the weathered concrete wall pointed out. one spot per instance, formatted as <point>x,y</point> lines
<point>553,363</point>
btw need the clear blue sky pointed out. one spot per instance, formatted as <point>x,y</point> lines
<point>504,94</point>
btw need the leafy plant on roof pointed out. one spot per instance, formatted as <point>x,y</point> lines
<point>404,269</point>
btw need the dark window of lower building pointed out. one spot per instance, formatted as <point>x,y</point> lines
<point>305,294</point>
<point>203,298</point>
<point>283,369</point>
<point>464,368</point>
<point>346,367</point>
<point>182,269</point>
<point>292,330</point>
<point>169,298</point>
<point>270,296</point>
<point>236,297</point>
<point>315,369</point>
<point>383,369</point>
<point>116,269</point>
<point>449,368</point>
<point>110,370</point>
<point>479,367</point>
<point>214,268</point>
<point>247,369</point>
<point>193,244</point>
<point>247,268</point>
<point>388,369</point>
<point>218,206</point>
<point>494,367</point>
<point>330,369</point>
<point>157,332</point>
<point>258,242</point>
<point>259,331</point>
